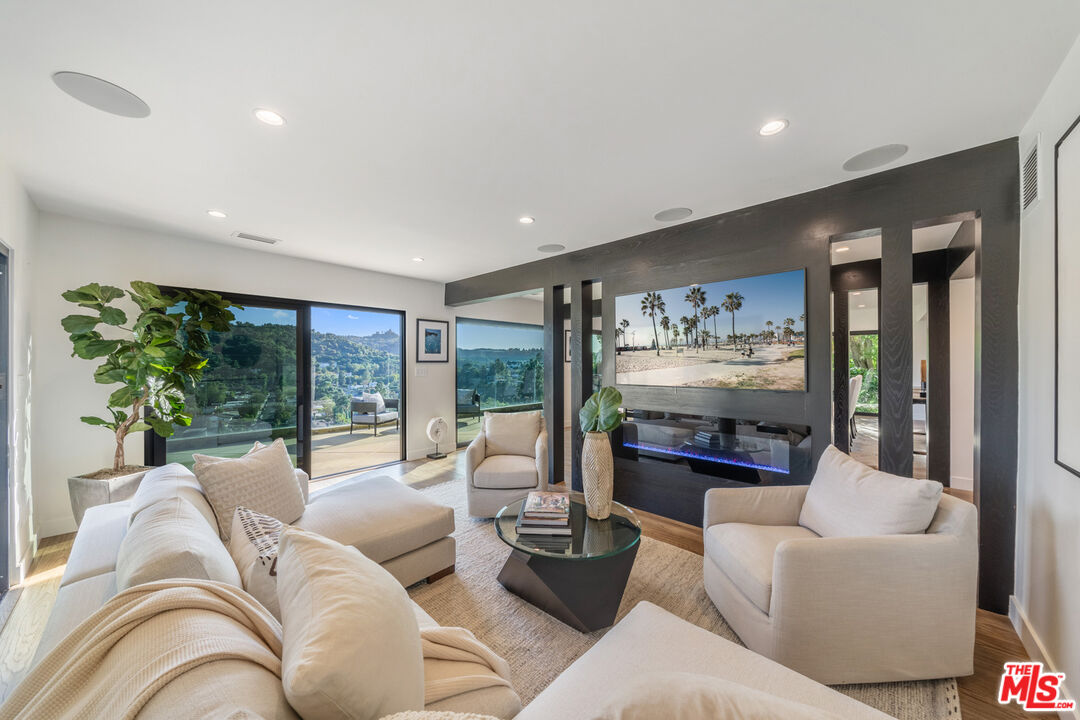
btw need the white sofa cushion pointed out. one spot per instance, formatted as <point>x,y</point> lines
<point>263,480</point>
<point>170,539</point>
<point>651,640</point>
<point>511,433</point>
<point>746,552</point>
<point>168,481</point>
<point>74,603</point>
<point>849,499</point>
<point>253,545</point>
<point>689,696</point>
<point>381,517</point>
<point>100,534</point>
<point>506,471</point>
<point>351,641</point>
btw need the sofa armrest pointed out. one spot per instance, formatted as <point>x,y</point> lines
<point>474,455</point>
<point>844,592</point>
<point>541,455</point>
<point>770,505</point>
<point>302,478</point>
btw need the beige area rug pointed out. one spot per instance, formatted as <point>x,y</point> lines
<point>539,647</point>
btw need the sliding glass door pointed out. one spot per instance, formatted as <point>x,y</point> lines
<point>356,366</point>
<point>249,389</point>
<point>328,379</point>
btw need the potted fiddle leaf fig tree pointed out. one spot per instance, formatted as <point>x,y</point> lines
<point>152,357</point>
<point>599,416</point>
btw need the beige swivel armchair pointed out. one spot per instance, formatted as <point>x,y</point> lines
<point>884,590</point>
<point>506,461</point>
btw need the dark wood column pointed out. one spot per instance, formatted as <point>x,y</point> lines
<point>894,360</point>
<point>553,379</point>
<point>938,440</point>
<point>841,435</point>
<point>581,313</point>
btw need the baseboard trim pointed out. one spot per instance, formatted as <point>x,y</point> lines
<point>1036,650</point>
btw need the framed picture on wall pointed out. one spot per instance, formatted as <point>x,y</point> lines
<point>432,339</point>
<point>1066,299</point>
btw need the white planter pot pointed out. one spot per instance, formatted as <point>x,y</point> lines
<point>87,492</point>
<point>597,474</point>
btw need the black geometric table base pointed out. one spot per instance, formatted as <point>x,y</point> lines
<point>583,593</point>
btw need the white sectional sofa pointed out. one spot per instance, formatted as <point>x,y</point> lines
<point>381,517</point>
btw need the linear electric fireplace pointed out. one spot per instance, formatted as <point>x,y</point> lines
<point>665,461</point>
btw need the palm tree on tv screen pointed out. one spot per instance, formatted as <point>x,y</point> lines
<point>732,303</point>
<point>624,324</point>
<point>768,328</point>
<point>651,304</point>
<point>713,312</point>
<point>789,323</point>
<point>665,323</point>
<point>696,298</point>
<point>675,333</point>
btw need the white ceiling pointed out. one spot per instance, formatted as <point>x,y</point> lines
<point>427,128</point>
<point>925,239</point>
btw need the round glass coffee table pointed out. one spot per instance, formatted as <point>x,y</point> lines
<point>578,578</point>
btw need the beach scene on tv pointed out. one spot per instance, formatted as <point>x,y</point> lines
<point>748,333</point>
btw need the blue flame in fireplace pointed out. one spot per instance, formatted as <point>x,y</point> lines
<point>696,453</point>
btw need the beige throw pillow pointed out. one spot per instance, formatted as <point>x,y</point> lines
<point>689,696</point>
<point>263,480</point>
<point>170,539</point>
<point>351,640</point>
<point>169,481</point>
<point>849,499</point>
<point>253,544</point>
<point>511,433</point>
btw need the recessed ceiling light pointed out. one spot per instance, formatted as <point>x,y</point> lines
<point>101,94</point>
<point>857,293</point>
<point>773,127</point>
<point>418,259</point>
<point>862,306</point>
<point>269,117</point>
<point>551,248</point>
<point>845,248</point>
<point>673,214</point>
<point>875,157</point>
<point>526,220</point>
<point>216,214</point>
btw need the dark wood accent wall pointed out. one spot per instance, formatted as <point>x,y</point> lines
<point>581,315</point>
<point>841,361</point>
<point>794,232</point>
<point>554,314</point>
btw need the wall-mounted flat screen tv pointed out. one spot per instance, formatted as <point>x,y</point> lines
<point>748,334</point>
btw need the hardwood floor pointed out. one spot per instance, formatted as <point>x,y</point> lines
<point>995,640</point>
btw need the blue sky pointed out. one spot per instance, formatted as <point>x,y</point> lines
<point>765,297</point>
<point>473,335</point>
<point>339,321</point>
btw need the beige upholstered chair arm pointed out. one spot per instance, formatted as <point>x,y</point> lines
<point>771,505</point>
<point>542,460</point>
<point>878,579</point>
<point>474,455</point>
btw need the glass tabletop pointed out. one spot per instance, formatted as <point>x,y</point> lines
<point>588,538</point>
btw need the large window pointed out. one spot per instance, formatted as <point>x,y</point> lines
<point>326,378</point>
<point>500,367</point>
<point>863,360</point>
<point>248,391</point>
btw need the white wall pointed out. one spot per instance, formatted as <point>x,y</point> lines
<point>82,251</point>
<point>18,218</point>
<point>1048,496</point>
<point>962,382</point>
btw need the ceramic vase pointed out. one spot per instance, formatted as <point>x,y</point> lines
<point>597,474</point>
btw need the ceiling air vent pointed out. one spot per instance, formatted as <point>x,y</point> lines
<point>256,238</point>
<point>1029,177</point>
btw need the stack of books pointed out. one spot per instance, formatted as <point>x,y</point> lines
<point>545,513</point>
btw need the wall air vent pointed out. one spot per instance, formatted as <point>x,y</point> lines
<point>257,238</point>
<point>1029,177</point>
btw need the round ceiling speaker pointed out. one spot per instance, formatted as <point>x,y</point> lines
<point>551,248</point>
<point>875,157</point>
<point>437,432</point>
<point>101,94</point>
<point>673,214</point>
